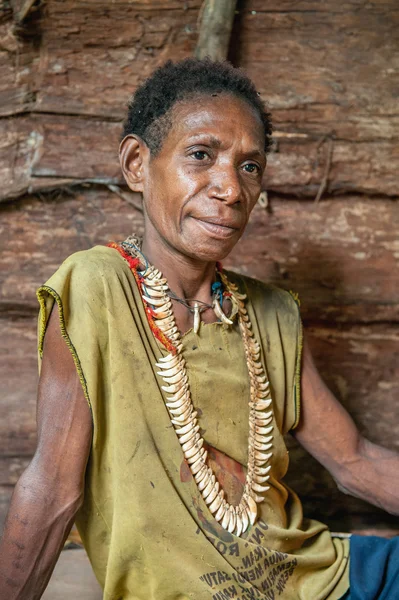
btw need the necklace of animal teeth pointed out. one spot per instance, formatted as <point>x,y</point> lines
<point>234,518</point>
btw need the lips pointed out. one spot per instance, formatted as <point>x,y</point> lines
<point>217,227</point>
<point>219,222</point>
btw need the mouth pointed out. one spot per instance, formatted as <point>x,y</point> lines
<point>217,227</point>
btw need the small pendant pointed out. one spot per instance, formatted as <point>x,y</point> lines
<point>219,313</point>
<point>197,318</point>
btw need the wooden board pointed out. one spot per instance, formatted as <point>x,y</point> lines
<point>77,148</point>
<point>324,69</point>
<point>18,376</point>
<point>5,497</point>
<point>11,468</point>
<point>341,255</point>
<point>326,73</point>
<point>51,147</point>
<point>37,235</point>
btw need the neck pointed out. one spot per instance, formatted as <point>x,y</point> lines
<point>187,278</point>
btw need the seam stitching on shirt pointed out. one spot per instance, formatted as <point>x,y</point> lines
<point>43,326</point>
<point>297,385</point>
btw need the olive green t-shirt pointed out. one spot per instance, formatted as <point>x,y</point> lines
<point>146,528</point>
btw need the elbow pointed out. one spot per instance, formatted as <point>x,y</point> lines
<point>64,502</point>
<point>70,501</point>
<point>369,473</point>
<point>344,486</point>
<point>61,499</point>
<point>347,471</point>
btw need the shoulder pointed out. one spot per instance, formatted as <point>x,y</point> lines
<point>95,261</point>
<point>89,271</point>
<point>266,296</point>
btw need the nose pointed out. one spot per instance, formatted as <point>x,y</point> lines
<point>225,185</point>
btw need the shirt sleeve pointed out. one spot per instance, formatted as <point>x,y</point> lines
<point>76,290</point>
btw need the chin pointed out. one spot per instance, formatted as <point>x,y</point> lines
<point>211,250</point>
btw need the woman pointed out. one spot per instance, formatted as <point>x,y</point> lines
<point>161,419</point>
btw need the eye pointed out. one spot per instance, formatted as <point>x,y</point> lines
<point>251,168</point>
<point>200,155</point>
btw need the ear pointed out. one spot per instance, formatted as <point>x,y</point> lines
<point>133,157</point>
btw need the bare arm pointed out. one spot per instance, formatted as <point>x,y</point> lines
<point>50,491</point>
<point>326,430</point>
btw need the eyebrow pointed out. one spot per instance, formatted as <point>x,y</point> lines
<point>214,142</point>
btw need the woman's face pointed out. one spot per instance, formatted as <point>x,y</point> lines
<point>201,187</point>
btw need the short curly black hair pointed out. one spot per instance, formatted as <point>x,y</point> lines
<point>149,110</point>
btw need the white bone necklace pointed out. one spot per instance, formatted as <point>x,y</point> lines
<point>234,519</point>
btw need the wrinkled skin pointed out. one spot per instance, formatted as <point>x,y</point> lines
<point>200,190</point>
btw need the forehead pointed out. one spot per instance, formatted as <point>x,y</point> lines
<point>223,116</point>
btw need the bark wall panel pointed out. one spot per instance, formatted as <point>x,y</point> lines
<point>18,67</point>
<point>82,148</point>
<point>5,497</point>
<point>330,77</point>
<point>18,376</point>
<point>299,166</point>
<point>62,139</point>
<point>79,59</point>
<point>36,236</point>
<point>340,58</point>
<point>341,256</point>
<point>326,71</point>
<point>117,48</point>
<point>11,468</point>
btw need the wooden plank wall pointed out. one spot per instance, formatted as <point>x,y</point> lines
<point>330,75</point>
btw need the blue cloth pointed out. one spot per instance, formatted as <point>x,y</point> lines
<point>373,568</point>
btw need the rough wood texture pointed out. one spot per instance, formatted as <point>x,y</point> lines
<point>11,468</point>
<point>324,68</point>
<point>41,149</point>
<point>341,256</point>
<point>5,497</point>
<point>18,376</point>
<point>329,76</point>
<point>36,236</point>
